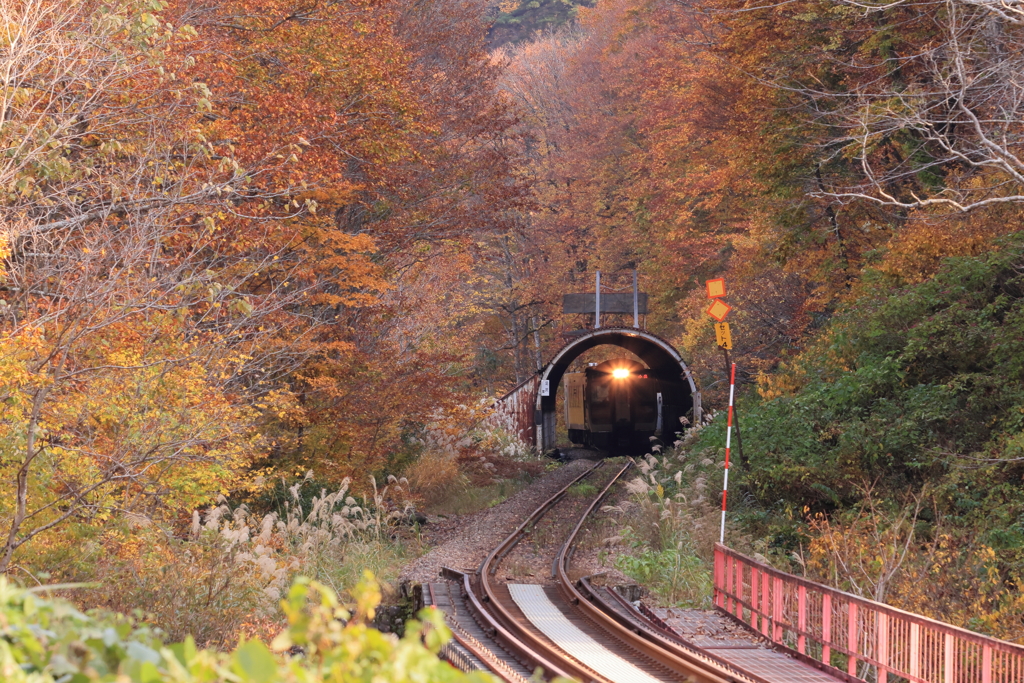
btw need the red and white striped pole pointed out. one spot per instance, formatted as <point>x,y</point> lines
<point>728,445</point>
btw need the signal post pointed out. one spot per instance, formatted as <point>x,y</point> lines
<point>719,310</point>
<point>723,337</point>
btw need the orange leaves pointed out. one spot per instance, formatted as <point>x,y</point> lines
<point>328,74</point>
<point>373,143</point>
<point>254,239</point>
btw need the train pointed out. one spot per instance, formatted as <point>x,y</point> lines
<point>618,405</point>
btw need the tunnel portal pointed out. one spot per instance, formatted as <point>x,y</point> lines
<point>680,394</point>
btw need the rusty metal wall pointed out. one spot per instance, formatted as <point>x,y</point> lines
<point>515,411</point>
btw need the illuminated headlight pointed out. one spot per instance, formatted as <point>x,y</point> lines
<point>620,373</point>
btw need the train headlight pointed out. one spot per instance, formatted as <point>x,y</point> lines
<point>620,373</point>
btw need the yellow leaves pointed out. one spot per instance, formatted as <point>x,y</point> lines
<point>784,381</point>
<point>17,373</point>
<point>163,426</point>
<point>285,406</point>
<point>243,306</point>
<point>5,253</point>
<point>368,596</point>
<point>915,252</point>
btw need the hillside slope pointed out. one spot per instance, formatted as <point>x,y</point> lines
<point>517,20</point>
<point>892,449</point>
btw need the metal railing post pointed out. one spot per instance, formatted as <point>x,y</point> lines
<point>801,619</point>
<point>851,639</point>
<point>636,303</point>
<point>777,599</point>
<point>754,609</point>
<point>719,571</point>
<point>730,578</point>
<point>948,643</point>
<point>915,649</point>
<point>766,604</point>
<point>739,590</point>
<point>826,629</point>
<point>882,646</point>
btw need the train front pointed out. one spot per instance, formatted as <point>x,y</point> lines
<point>618,405</point>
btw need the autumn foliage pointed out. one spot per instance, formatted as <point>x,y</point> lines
<point>245,241</point>
<point>827,159</point>
<point>225,228</point>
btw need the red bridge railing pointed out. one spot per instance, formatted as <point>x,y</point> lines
<point>863,639</point>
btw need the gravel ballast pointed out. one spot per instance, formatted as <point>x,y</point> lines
<point>473,536</point>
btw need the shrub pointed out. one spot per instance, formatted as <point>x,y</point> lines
<point>45,641</point>
<point>676,575</point>
<point>906,387</point>
<point>224,578</point>
<point>670,527</point>
<point>887,456</point>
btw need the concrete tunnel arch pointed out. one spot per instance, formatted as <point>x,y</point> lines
<point>659,355</point>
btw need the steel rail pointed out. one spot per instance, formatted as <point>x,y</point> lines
<point>694,667</point>
<point>490,564</point>
<point>505,637</point>
<point>494,664</point>
<point>527,642</point>
<point>660,634</point>
<point>478,649</point>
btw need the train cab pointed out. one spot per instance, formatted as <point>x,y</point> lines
<point>614,406</point>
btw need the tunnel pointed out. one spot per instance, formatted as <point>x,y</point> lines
<point>659,355</point>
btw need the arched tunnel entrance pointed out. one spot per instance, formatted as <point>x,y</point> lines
<point>680,395</point>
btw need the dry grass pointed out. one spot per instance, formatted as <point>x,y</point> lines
<point>185,587</point>
<point>435,477</point>
<point>226,577</point>
<point>447,484</point>
<point>668,527</point>
<point>473,499</point>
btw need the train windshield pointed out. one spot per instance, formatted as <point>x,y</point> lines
<point>601,406</point>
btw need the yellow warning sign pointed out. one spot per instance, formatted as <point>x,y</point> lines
<point>716,288</point>
<point>718,310</point>
<point>723,336</point>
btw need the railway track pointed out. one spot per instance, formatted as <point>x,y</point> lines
<point>570,629</point>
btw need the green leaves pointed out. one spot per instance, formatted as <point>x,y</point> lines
<point>43,641</point>
<point>905,386</point>
<point>254,662</point>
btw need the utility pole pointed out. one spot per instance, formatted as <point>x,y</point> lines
<point>636,304</point>
<point>730,369</point>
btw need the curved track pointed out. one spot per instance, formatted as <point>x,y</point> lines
<point>570,631</point>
